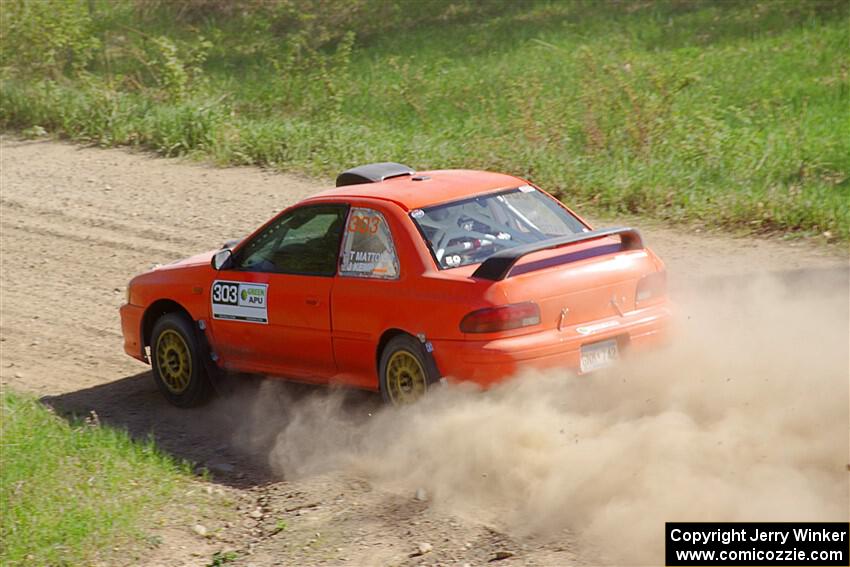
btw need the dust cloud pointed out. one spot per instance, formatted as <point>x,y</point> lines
<point>743,417</point>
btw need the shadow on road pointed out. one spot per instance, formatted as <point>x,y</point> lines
<point>205,436</point>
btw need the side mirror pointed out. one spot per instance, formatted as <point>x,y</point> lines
<point>222,259</point>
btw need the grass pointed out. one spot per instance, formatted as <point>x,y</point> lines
<point>68,491</point>
<point>725,114</point>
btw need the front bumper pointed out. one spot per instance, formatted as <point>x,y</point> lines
<point>131,328</point>
<point>487,362</point>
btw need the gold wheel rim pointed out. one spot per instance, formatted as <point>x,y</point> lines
<point>173,361</point>
<point>405,378</point>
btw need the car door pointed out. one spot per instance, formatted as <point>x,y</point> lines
<point>362,297</point>
<point>270,312</point>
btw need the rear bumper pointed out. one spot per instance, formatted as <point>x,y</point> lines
<point>131,328</point>
<point>490,361</point>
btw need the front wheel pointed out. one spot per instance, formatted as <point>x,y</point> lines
<point>404,374</point>
<point>177,367</point>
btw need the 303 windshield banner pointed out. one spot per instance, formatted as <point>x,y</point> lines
<point>754,543</point>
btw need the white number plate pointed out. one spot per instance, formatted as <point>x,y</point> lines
<point>240,301</point>
<point>598,355</point>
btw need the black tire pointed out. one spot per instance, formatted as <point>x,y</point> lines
<point>178,369</point>
<point>391,378</point>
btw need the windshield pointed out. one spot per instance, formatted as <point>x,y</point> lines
<point>470,231</point>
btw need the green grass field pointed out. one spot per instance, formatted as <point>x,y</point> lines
<point>69,491</point>
<point>726,114</point>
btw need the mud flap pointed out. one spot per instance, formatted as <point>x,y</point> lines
<point>217,376</point>
<point>430,363</point>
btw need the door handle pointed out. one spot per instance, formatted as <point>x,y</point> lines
<point>313,301</point>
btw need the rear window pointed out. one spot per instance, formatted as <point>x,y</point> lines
<point>471,230</point>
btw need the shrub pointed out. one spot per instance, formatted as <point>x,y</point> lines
<point>46,37</point>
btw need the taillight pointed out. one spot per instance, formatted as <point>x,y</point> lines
<point>495,319</point>
<point>652,286</point>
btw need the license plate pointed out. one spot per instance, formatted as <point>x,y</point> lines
<point>598,355</point>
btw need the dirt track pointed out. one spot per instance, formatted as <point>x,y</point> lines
<point>77,223</point>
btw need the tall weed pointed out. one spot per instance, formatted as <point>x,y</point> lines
<point>730,115</point>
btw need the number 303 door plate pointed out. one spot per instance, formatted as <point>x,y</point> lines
<point>240,301</point>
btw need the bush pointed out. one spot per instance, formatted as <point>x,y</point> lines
<point>46,37</point>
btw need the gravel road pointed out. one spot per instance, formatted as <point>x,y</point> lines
<point>77,223</point>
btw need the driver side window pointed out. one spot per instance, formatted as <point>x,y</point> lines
<point>303,241</point>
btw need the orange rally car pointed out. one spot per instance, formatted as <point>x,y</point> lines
<point>395,280</point>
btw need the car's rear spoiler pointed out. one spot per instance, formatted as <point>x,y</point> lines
<point>498,266</point>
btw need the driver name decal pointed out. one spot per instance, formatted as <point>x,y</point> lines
<point>359,261</point>
<point>240,301</point>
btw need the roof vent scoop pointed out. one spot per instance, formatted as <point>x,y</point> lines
<point>372,173</point>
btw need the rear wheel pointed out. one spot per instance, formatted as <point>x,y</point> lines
<point>177,367</point>
<point>404,374</point>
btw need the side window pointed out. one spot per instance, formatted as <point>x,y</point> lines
<point>367,247</point>
<point>303,241</point>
